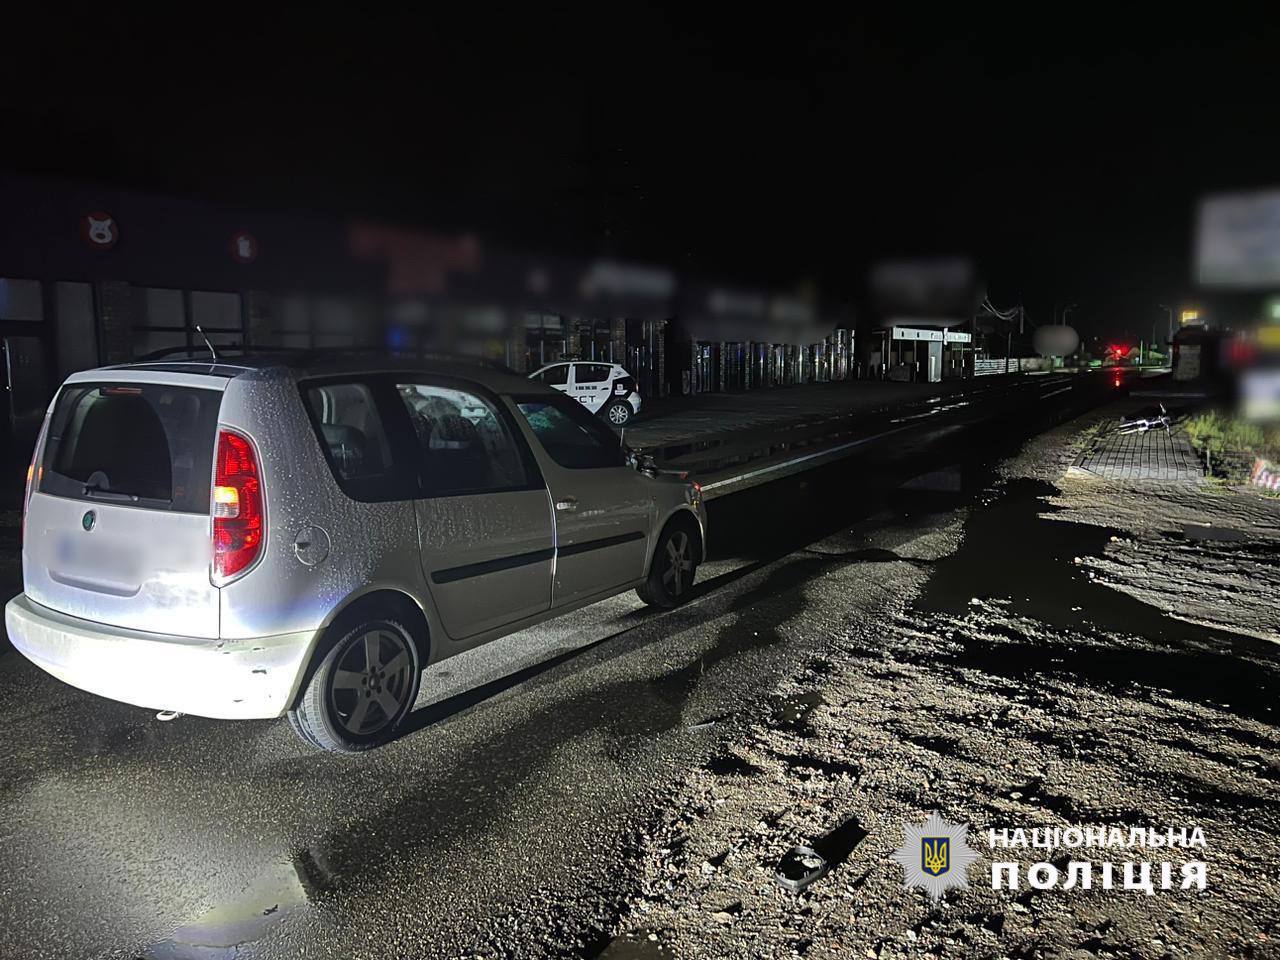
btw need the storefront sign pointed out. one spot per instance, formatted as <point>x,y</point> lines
<point>418,262</point>
<point>915,333</point>
<point>99,230</point>
<point>610,278</point>
<point>244,248</point>
<point>1238,240</point>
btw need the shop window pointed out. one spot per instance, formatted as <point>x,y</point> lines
<point>290,314</point>
<point>149,341</point>
<point>331,340</point>
<point>162,308</point>
<point>350,318</point>
<point>20,300</point>
<point>215,311</point>
<point>76,327</point>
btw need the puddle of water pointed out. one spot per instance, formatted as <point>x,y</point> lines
<point>634,946</point>
<point>1011,552</point>
<point>947,480</point>
<point>943,490</point>
<point>1016,554</point>
<point>230,929</point>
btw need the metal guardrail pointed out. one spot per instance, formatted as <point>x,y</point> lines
<point>984,368</point>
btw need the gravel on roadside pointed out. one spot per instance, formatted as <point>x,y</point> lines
<point>1061,653</point>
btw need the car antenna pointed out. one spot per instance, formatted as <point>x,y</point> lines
<point>212,352</point>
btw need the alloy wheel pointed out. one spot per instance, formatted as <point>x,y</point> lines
<point>371,681</point>
<point>677,575</point>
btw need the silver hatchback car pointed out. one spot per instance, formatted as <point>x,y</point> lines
<point>258,537</point>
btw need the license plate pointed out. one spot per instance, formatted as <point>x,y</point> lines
<point>95,558</point>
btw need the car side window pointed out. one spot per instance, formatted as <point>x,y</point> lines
<point>591,372</point>
<point>464,446</point>
<point>572,437</point>
<point>556,376</point>
<point>352,430</point>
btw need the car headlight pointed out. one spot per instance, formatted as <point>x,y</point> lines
<point>693,493</point>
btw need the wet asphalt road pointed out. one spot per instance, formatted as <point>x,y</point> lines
<point>504,821</point>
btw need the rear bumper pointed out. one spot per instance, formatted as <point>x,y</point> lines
<point>634,399</point>
<point>225,679</point>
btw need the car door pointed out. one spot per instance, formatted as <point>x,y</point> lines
<point>484,516</point>
<point>603,508</point>
<point>591,384</point>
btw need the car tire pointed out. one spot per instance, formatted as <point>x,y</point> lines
<point>673,567</point>
<point>362,690</point>
<point>618,413</point>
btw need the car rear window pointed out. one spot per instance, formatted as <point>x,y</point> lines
<point>142,444</point>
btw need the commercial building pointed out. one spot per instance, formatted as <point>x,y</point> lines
<point>92,275</point>
<point>922,350</point>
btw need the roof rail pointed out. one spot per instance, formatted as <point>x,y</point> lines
<point>311,354</point>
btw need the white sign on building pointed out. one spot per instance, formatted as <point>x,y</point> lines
<point>917,333</point>
<point>1238,240</point>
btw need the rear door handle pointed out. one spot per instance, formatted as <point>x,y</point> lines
<point>568,504</point>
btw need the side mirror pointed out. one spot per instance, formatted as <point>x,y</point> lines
<point>644,462</point>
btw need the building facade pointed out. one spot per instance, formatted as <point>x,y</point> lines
<point>92,275</point>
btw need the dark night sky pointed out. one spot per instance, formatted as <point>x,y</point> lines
<point>1064,154</point>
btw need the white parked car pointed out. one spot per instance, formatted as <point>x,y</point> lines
<point>603,388</point>
<point>301,536</point>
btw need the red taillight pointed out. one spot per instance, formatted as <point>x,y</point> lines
<point>35,472</point>
<point>26,495</point>
<point>236,506</point>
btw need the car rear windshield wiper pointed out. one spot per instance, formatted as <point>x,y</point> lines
<point>100,493</point>
<point>97,493</point>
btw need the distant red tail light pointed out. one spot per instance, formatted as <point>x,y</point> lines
<point>239,526</point>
